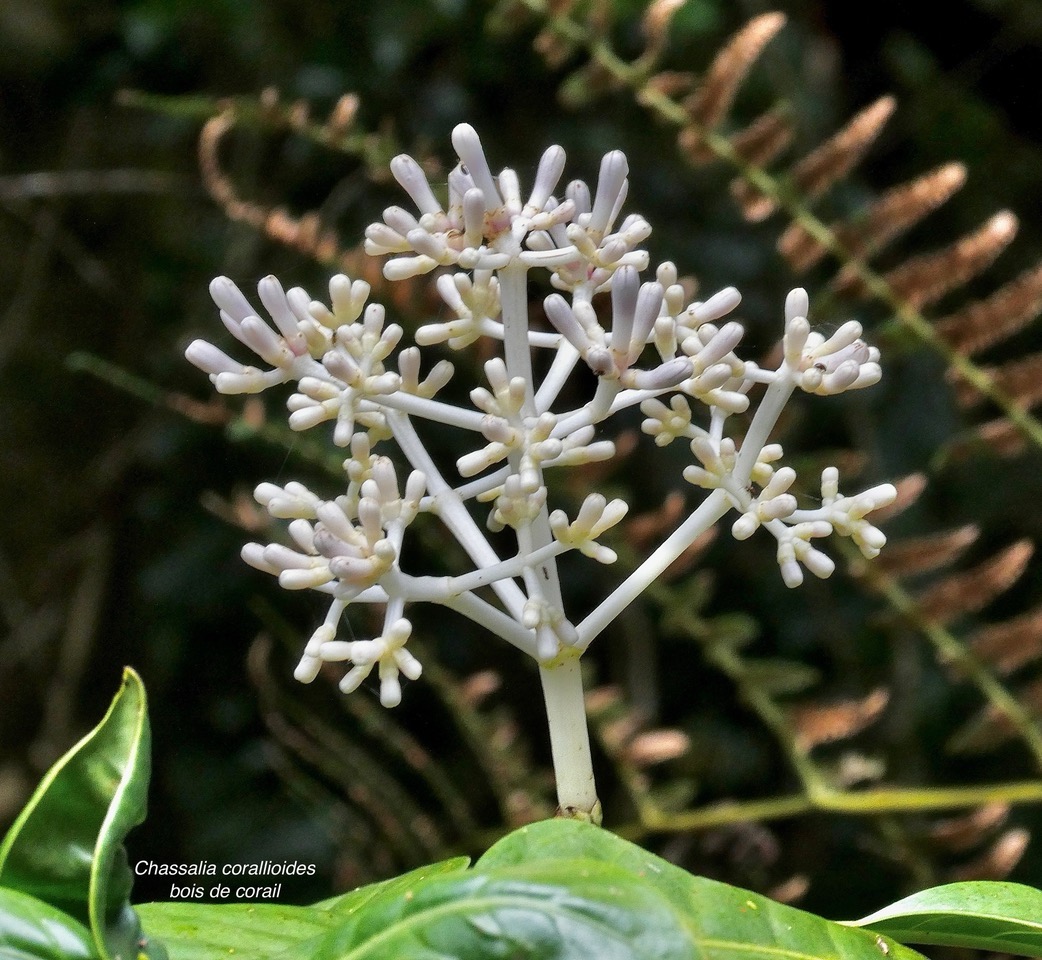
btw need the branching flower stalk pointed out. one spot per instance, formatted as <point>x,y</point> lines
<point>647,346</point>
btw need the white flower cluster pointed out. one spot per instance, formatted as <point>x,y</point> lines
<point>648,347</point>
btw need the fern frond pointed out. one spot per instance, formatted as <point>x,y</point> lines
<point>816,724</point>
<point>998,861</point>
<point>990,727</point>
<point>983,323</point>
<point>973,589</point>
<point>1020,380</point>
<point>909,489</point>
<point>708,105</point>
<point>884,220</point>
<point>759,144</point>
<point>1010,645</point>
<point>960,834</point>
<point>925,279</point>
<point>927,554</point>
<point>839,154</point>
<point>304,234</point>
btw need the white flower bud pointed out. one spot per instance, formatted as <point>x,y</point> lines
<point>413,181</point>
<point>210,359</point>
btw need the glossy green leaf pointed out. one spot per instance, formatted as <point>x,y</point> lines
<point>33,930</point>
<point>722,922</point>
<point>66,847</point>
<point>205,931</point>
<point>345,904</point>
<point>262,931</point>
<point>562,910</point>
<point>982,915</point>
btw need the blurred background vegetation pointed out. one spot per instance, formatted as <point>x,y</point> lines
<point>126,489</point>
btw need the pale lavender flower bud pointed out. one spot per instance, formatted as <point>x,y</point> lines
<point>212,360</point>
<point>646,312</point>
<point>510,190</point>
<point>331,546</point>
<point>551,166</point>
<point>473,218</point>
<point>666,375</point>
<point>230,299</point>
<point>578,193</point>
<point>342,365</point>
<point>413,181</point>
<point>624,291</point>
<point>797,330</point>
<point>797,304</point>
<point>718,305</point>
<point>843,377</point>
<point>263,341</point>
<point>468,148</point>
<point>400,220</point>
<point>404,268</point>
<point>253,554</point>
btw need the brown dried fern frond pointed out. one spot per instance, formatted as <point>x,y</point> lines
<point>709,104</point>
<point>1001,435</point>
<point>1010,645</point>
<point>759,144</point>
<point>960,834</point>
<point>655,24</point>
<point>983,323</point>
<point>656,746</point>
<point>909,489</point>
<point>668,83</point>
<point>816,724</point>
<point>973,589</point>
<point>305,234</point>
<point>826,165</point>
<point>836,157</point>
<point>872,229</point>
<point>926,554</point>
<point>998,861</point>
<point>1019,380</point>
<point>925,279</point>
<point>991,726</point>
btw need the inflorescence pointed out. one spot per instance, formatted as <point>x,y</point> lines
<point>651,349</point>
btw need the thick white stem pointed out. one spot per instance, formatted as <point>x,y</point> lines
<point>561,678</point>
<point>570,739</point>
